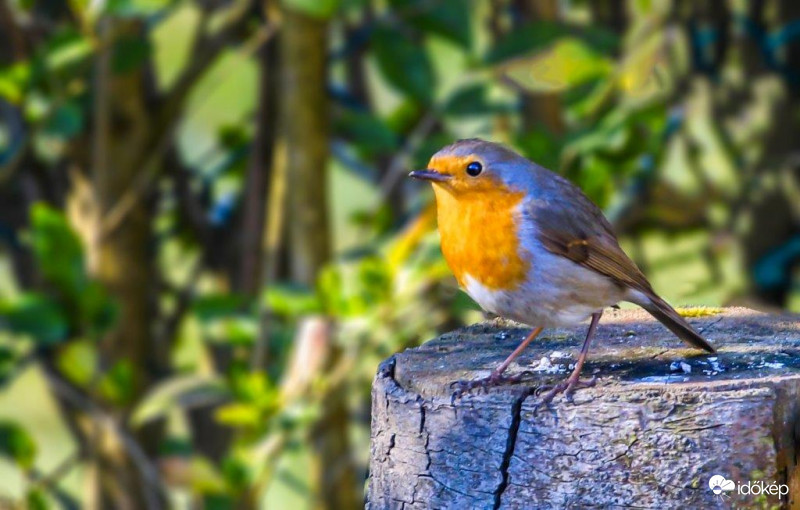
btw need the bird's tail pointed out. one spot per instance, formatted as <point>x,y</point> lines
<point>667,315</point>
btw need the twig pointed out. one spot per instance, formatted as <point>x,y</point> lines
<point>51,479</point>
<point>167,117</point>
<point>102,419</point>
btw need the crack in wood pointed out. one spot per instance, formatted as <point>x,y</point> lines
<point>511,443</point>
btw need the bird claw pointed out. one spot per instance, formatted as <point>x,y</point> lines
<point>568,388</point>
<point>466,387</point>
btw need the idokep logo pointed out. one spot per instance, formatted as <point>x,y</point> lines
<point>720,485</point>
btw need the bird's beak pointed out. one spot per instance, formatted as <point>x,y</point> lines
<point>429,175</point>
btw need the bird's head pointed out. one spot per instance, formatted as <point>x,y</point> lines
<point>474,166</point>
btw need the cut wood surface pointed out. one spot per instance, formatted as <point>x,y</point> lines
<point>661,421</point>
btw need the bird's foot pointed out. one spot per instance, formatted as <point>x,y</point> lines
<point>494,379</point>
<point>568,388</point>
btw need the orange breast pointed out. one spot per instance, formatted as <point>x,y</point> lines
<point>479,237</point>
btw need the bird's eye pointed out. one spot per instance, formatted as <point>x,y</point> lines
<point>474,169</point>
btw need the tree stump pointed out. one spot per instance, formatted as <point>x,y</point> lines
<point>662,420</point>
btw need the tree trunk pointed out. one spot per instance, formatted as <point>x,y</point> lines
<point>661,421</point>
<point>541,109</point>
<point>122,255</point>
<point>304,125</point>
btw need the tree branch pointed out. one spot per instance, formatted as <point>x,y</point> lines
<point>150,474</point>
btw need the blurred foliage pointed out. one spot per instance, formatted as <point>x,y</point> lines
<point>142,160</point>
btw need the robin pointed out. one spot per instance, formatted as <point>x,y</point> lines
<point>528,245</point>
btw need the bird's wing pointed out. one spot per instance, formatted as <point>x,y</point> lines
<point>572,226</point>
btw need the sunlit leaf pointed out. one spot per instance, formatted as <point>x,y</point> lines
<point>65,49</point>
<point>290,301</point>
<point>14,81</point>
<point>253,387</point>
<point>239,415</point>
<point>78,361</point>
<point>180,392</point>
<point>315,8</point>
<point>16,444</point>
<point>643,72</point>
<point>565,64</point>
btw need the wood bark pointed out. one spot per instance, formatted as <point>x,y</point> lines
<point>661,421</point>
<point>304,125</point>
<point>122,257</point>
<point>541,109</point>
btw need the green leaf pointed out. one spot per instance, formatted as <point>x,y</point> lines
<point>129,53</point>
<point>57,250</point>
<point>290,301</point>
<point>66,48</point>
<point>36,316</point>
<point>217,306</point>
<point>184,392</point>
<point>78,361</point>
<point>254,388</point>
<point>14,81</point>
<point>525,39</point>
<point>97,309</point>
<point>567,63</point>
<point>368,132</point>
<point>540,145</point>
<point>8,365</point>
<point>137,8</point>
<point>450,20</point>
<point>117,385</point>
<point>238,330</point>
<point>315,8</point>
<point>239,415</point>
<point>17,444</point>
<point>540,34</point>
<point>470,100</point>
<point>216,501</point>
<point>36,500</point>
<point>404,63</point>
<point>237,473</point>
<point>66,121</point>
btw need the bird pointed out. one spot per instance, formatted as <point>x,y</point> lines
<point>528,245</point>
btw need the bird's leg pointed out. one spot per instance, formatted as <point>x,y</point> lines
<point>496,377</point>
<point>574,382</point>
